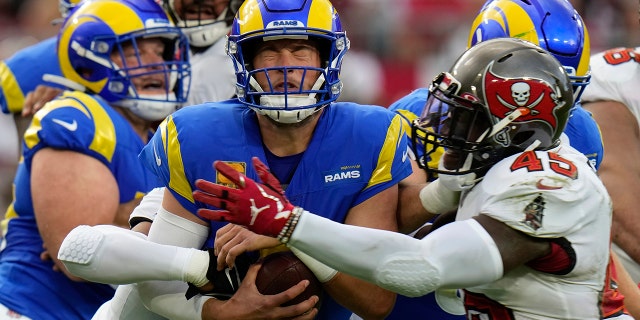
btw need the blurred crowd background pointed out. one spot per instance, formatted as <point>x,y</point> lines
<point>396,45</point>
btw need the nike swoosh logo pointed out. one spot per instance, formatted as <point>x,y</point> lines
<point>543,186</point>
<point>155,154</point>
<point>405,154</point>
<point>69,126</point>
<point>226,272</point>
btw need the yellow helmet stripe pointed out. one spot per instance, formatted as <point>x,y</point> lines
<point>321,15</point>
<point>583,65</point>
<point>517,19</point>
<point>247,9</point>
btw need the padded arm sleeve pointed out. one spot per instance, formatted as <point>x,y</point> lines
<point>398,262</point>
<point>168,298</point>
<point>146,210</point>
<point>109,254</point>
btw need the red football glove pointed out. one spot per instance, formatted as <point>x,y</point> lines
<point>262,207</point>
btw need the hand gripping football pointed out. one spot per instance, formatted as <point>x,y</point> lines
<point>282,270</point>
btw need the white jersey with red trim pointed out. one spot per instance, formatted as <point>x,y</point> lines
<point>615,75</point>
<point>551,195</point>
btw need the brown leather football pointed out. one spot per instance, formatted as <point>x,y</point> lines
<point>282,270</point>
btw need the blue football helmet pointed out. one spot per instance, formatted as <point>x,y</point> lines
<point>264,20</point>
<point>502,96</point>
<point>98,29</point>
<point>202,32</point>
<point>554,25</point>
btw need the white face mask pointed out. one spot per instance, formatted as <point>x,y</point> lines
<point>151,107</point>
<point>276,103</point>
<point>287,116</point>
<point>205,33</point>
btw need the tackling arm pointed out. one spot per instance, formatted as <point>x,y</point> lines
<point>363,298</point>
<point>411,213</point>
<point>400,263</point>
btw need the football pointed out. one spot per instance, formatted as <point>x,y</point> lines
<point>282,270</point>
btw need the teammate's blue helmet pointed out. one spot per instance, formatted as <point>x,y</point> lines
<point>554,25</point>
<point>264,20</point>
<point>96,29</point>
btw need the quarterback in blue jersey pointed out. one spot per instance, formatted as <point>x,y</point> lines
<point>343,159</point>
<point>80,161</point>
<point>518,19</point>
<point>301,137</point>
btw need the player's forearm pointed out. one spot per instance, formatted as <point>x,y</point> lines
<point>411,213</point>
<point>363,298</point>
<point>626,222</point>
<point>625,235</point>
<point>400,263</point>
<point>167,299</point>
<point>109,254</point>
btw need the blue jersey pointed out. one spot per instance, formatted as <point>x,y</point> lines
<point>584,135</point>
<point>22,73</point>
<point>356,152</point>
<point>88,125</point>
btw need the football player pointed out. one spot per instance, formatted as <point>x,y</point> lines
<point>206,23</point>
<point>287,56</point>
<point>80,163</point>
<point>18,78</point>
<point>531,236</point>
<point>553,25</point>
<point>614,102</point>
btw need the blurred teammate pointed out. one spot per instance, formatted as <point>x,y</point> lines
<point>613,99</point>
<point>19,77</point>
<point>531,236</point>
<point>80,163</point>
<point>206,23</point>
<point>287,56</point>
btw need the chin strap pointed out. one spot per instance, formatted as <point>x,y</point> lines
<point>52,78</point>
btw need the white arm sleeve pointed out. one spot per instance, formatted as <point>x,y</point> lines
<point>109,254</point>
<point>146,210</point>
<point>457,255</point>
<point>168,298</point>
